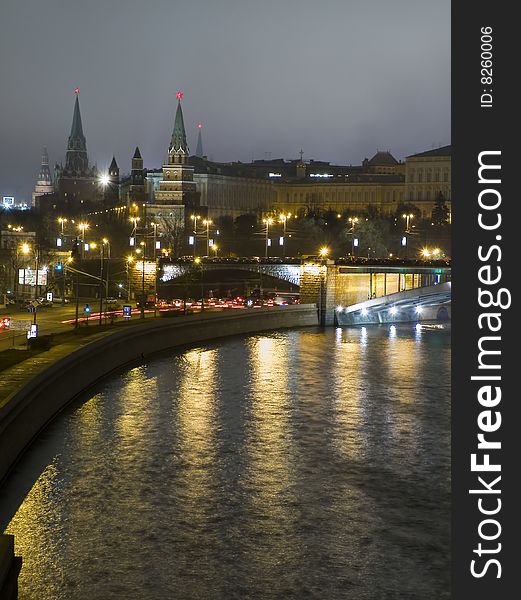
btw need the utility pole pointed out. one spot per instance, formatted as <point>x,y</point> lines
<point>102,247</point>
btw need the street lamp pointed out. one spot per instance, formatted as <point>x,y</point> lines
<point>195,219</point>
<point>267,222</point>
<point>324,251</point>
<point>143,244</point>
<point>154,225</point>
<point>83,227</point>
<point>215,248</point>
<point>408,217</point>
<point>198,261</point>
<point>207,222</point>
<point>353,221</point>
<point>130,260</point>
<point>133,235</point>
<point>62,222</point>
<point>284,220</point>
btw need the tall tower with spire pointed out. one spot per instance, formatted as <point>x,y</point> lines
<point>137,172</point>
<point>199,149</point>
<point>44,181</point>
<point>177,198</point>
<point>77,160</point>
<point>136,184</point>
<point>76,182</point>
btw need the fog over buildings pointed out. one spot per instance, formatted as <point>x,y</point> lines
<point>338,79</point>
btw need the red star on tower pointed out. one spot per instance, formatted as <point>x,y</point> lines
<point>77,91</point>
<point>179,95</point>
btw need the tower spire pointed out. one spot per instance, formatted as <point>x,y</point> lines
<point>76,129</point>
<point>199,148</point>
<point>77,159</point>
<point>178,144</point>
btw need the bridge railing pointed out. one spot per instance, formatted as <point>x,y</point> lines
<point>297,260</point>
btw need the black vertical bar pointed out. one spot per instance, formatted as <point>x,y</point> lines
<point>483,120</point>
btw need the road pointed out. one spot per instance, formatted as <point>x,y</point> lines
<point>59,318</point>
<point>49,320</point>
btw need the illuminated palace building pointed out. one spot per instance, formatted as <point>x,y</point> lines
<point>188,184</point>
<point>300,186</point>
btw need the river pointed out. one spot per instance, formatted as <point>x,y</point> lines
<point>299,464</point>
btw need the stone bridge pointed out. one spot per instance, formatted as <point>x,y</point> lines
<point>329,283</point>
<point>282,271</point>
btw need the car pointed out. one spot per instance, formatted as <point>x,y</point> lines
<point>111,301</point>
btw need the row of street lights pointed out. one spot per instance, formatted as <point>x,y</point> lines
<point>210,244</point>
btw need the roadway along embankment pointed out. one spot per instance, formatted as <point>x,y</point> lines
<point>27,410</point>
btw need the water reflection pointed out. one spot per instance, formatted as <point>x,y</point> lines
<point>302,464</point>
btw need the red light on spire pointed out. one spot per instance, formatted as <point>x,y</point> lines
<point>179,95</point>
<point>200,125</point>
<point>77,90</point>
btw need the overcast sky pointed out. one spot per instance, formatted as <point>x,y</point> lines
<point>337,78</point>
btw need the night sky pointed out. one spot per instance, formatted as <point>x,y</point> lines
<point>337,78</point>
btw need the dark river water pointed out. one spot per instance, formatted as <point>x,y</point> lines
<point>299,464</point>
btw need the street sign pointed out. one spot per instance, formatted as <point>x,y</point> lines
<point>49,296</point>
<point>127,311</point>
<point>33,332</point>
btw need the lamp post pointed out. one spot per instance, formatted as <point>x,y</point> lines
<point>195,218</point>
<point>198,261</point>
<point>142,303</point>
<point>408,218</point>
<point>130,260</point>
<point>154,225</point>
<point>101,254</point>
<point>106,243</point>
<point>353,221</point>
<point>323,252</point>
<point>267,222</point>
<point>62,222</point>
<point>83,227</point>
<point>133,235</point>
<point>284,220</point>
<point>207,222</point>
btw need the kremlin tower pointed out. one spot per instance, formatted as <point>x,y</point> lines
<point>177,198</point>
<point>76,182</point>
<point>44,181</point>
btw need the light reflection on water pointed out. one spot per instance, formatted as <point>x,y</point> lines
<point>301,464</point>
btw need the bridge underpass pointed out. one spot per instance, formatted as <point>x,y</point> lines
<point>430,303</point>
